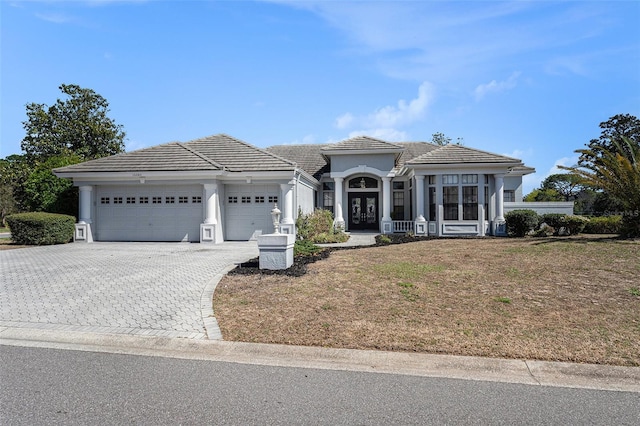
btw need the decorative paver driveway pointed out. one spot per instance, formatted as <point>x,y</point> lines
<point>162,289</point>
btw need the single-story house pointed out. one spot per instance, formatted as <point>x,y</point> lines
<point>220,188</point>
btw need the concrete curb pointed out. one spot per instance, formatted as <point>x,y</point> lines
<point>588,376</point>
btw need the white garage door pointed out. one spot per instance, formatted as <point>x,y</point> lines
<point>148,213</point>
<point>248,210</point>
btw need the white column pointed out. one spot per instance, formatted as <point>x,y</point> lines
<point>386,199</point>
<point>84,204</point>
<point>499,180</point>
<point>339,219</point>
<point>211,201</point>
<point>481,205</point>
<point>387,222</point>
<point>287,192</point>
<point>420,198</point>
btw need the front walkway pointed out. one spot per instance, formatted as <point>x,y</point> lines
<point>356,238</point>
<point>161,289</point>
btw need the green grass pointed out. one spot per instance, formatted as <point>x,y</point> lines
<point>501,299</point>
<point>634,291</point>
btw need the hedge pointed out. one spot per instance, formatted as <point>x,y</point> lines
<point>567,224</point>
<point>604,225</point>
<point>41,228</point>
<point>521,222</point>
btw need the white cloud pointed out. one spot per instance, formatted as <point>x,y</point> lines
<point>56,18</point>
<point>391,135</point>
<point>496,86</point>
<point>344,120</point>
<point>405,112</point>
<point>383,122</point>
<point>564,161</point>
<point>520,154</point>
<point>307,139</point>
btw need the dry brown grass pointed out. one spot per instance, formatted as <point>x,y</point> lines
<point>565,299</point>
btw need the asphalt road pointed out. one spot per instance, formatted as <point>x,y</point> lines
<point>53,386</point>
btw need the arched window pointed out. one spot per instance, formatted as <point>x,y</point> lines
<point>363,183</point>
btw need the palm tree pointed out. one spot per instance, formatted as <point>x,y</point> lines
<point>618,175</point>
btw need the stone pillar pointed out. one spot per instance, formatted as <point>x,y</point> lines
<point>421,222</point>
<point>208,229</point>
<point>287,224</point>
<point>499,227</point>
<point>387,222</point>
<point>276,250</point>
<point>338,221</point>
<point>83,227</point>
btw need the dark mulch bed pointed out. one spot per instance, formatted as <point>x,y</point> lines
<point>300,262</point>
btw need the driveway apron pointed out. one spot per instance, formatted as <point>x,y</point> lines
<point>161,289</point>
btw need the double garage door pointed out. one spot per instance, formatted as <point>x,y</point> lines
<point>175,212</point>
<point>148,213</point>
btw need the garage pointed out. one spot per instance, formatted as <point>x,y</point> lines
<point>148,213</point>
<point>248,210</point>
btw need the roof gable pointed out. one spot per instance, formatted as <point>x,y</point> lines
<point>238,156</point>
<point>172,156</point>
<point>458,154</point>
<point>212,153</point>
<point>362,143</point>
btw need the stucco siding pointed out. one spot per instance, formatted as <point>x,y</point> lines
<point>341,163</point>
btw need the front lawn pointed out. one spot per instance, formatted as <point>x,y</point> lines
<point>567,299</point>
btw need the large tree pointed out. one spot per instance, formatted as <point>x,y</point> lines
<point>610,140</point>
<point>617,172</point>
<point>77,125</point>
<point>568,185</point>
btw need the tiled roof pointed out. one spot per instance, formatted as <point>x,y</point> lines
<point>413,150</point>
<point>456,154</point>
<point>218,152</point>
<point>238,156</point>
<point>308,157</point>
<point>360,143</point>
<point>172,156</point>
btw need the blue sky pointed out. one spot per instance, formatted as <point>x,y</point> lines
<point>527,79</point>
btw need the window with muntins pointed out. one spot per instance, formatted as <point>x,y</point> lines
<point>170,200</point>
<point>273,199</point>
<point>245,199</point>
<point>449,179</point>
<point>131,200</point>
<point>398,205</point>
<point>144,200</point>
<point>469,203</point>
<point>509,196</point>
<point>156,200</point>
<point>104,200</point>
<point>117,200</point>
<point>432,203</point>
<point>450,202</point>
<point>232,200</point>
<point>259,199</point>
<point>196,199</point>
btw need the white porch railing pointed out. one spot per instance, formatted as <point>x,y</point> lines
<point>403,226</point>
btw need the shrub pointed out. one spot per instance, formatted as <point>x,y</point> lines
<point>604,225</point>
<point>554,220</point>
<point>565,224</point>
<point>41,228</point>
<point>544,231</point>
<point>520,222</point>
<point>318,227</point>
<point>305,247</point>
<point>575,224</point>
<point>383,239</point>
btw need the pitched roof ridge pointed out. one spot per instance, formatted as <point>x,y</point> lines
<point>481,151</point>
<point>255,148</point>
<point>366,138</point>
<point>203,157</point>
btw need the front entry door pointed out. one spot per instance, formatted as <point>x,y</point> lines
<point>363,210</point>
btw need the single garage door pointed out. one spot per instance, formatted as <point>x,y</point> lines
<point>148,213</point>
<point>248,210</point>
